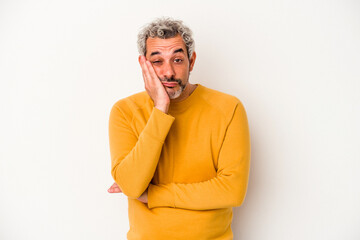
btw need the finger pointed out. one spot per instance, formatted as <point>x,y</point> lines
<point>146,81</point>
<point>152,72</point>
<point>114,190</point>
<point>144,78</point>
<point>149,72</point>
<point>149,82</point>
<point>146,71</point>
<point>142,64</point>
<point>142,59</point>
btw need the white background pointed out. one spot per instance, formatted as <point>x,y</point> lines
<point>294,65</point>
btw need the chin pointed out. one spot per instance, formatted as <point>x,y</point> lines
<point>174,94</point>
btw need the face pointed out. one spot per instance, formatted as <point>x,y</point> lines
<point>171,63</point>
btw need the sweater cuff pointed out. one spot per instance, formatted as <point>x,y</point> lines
<point>158,125</point>
<point>160,195</point>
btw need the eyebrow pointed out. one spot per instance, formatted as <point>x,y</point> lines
<point>176,51</point>
<point>179,50</point>
<point>154,53</point>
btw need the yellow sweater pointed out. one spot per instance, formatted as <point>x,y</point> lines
<point>194,161</point>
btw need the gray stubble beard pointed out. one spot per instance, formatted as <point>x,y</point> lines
<point>178,92</point>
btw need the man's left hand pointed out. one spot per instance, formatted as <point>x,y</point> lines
<point>116,189</point>
<point>144,197</point>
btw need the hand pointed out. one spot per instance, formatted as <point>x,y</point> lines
<point>153,86</point>
<point>114,188</point>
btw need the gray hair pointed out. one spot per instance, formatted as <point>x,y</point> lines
<point>165,28</point>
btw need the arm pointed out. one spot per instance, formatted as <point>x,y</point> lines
<point>227,189</point>
<point>115,189</point>
<point>134,160</point>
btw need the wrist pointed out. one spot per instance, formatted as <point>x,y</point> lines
<point>163,108</point>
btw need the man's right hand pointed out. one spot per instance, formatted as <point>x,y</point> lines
<point>153,86</point>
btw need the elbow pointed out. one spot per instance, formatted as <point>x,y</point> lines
<point>131,193</point>
<point>239,196</point>
<point>235,190</point>
<point>238,200</point>
<point>235,200</point>
<point>130,188</point>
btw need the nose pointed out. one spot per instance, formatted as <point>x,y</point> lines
<point>168,70</point>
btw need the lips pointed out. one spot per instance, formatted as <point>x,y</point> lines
<point>169,84</point>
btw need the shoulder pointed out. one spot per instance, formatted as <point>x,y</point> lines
<point>132,105</point>
<point>133,102</point>
<point>222,102</point>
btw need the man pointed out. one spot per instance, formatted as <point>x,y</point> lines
<point>180,152</point>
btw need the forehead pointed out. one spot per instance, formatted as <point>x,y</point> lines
<point>164,45</point>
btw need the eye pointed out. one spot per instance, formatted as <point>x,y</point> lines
<point>178,60</point>
<point>156,62</point>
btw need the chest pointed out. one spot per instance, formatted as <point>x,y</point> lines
<point>191,149</point>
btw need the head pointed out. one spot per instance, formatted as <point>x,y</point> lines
<point>169,46</point>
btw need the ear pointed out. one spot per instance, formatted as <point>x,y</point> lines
<point>192,61</point>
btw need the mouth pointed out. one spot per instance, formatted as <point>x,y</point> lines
<point>170,84</point>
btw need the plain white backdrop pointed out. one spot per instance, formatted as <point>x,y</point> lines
<point>294,65</point>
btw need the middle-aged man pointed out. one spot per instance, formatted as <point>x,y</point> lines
<point>180,152</point>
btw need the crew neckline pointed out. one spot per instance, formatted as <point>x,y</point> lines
<point>186,103</point>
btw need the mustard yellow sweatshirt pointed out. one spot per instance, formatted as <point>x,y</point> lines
<point>194,161</point>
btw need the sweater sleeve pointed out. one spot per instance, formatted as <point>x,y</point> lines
<point>134,159</point>
<point>227,189</point>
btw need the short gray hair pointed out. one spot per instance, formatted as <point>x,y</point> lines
<point>165,28</point>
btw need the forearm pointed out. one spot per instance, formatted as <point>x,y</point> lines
<point>227,188</point>
<point>134,160</point>
<point>222,191</point>
<point>135,171</point>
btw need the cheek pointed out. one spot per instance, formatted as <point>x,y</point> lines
<point>182,71</point>
<point>157,70</point>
